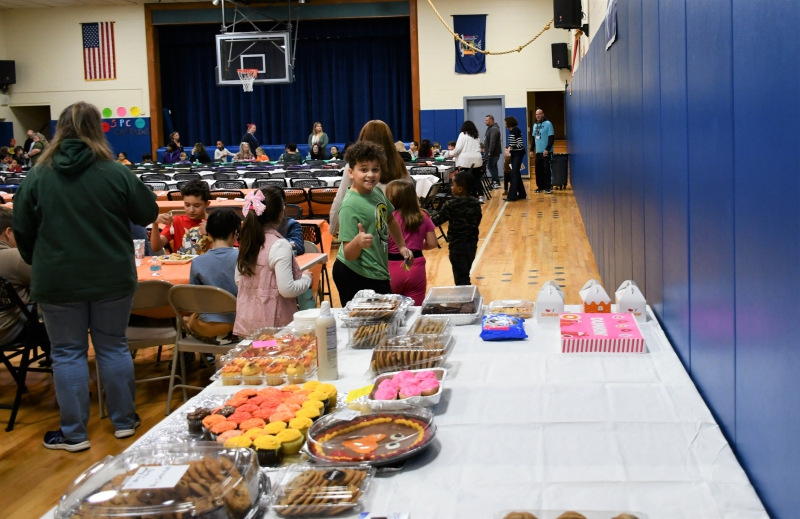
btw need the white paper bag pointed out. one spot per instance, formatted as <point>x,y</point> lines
<point>550,303</point>
<point>630,300</point>
<point>594,298</point>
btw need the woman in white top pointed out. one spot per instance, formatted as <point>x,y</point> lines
<point>467,153</point>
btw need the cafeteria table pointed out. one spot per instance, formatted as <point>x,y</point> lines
<point>521,425</point>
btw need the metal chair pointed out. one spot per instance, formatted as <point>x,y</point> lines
<point>295,195</point>
<point>145,332</point>
<point>293,211</point>
<point>14,181</point>
<point>186,176</point>
<point>229,184</point>
<point>321,196</point>
<point>26,346</point>
<point>226,193</point>
<point>425,170</point>
<point>337,183</point>
<point>280,174</point>
<point>312,233</point>
<point>307,182</point>
<point>225,175</point>
<point>255,174</point>
<point>189,299</point>
<point>264,182</point>
<point>207,176</point>
<point>315,162</point>
<point>295,174</point>
<point>148,177</point>
<point>175,196</point>
<point>156,186</point>
<point>429,204</point>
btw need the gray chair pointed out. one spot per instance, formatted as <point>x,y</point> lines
<point>229,184</point>
<point>264,182</point>
<point>308,182</point>
<point>156,186</point>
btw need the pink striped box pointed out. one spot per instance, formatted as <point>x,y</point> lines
<point>600,333</point>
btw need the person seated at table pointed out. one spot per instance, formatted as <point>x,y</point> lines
<point>19,154</point>
<point>140,233</point>
<point>401,149</point>
<point>260,155</point>
<point>216,268</point>
<point>122,158</point>
<point>335,155</point>
<point>244,155</point>
<point>5,161</point>
<point>199,154</point>
<point>425,150</point>
<point>221,153</point>
<point>436,148</point>
<point>184,231</point>
<point>291,155</point>
<point>413,150</point>
<point>18,273</point>
<point>171,155</point>
<point>268,275</point>
<point>184,158</point>
<point>451,145</point>
<point>15,166</point>
<point>147,158</point>
<point>316,153</point>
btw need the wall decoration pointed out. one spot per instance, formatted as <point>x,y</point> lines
<point>140,123</point>
<point>471,28</point>
<point>121,111</point>
<point>611,23</point>
<point>99,55</point>
<point>107,113</point>
<point>135,111</point>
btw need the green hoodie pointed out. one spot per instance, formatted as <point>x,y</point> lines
<point>72,225</point>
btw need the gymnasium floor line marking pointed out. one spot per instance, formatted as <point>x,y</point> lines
<point>488,237</point>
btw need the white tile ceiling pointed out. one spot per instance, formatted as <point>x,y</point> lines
<point>19,4</point>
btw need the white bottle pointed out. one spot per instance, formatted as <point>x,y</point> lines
<point>327,362</point>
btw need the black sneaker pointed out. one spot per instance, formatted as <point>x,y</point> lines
<point>548,191</point>
<point>538,191</point>
<point>55,440</point>
<point>127,433</point>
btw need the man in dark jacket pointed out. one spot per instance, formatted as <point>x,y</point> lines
<point>493,149</point>
<point>250,138</point>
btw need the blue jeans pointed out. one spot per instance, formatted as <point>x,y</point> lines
<point>108,321</point>
<point>491,165</point>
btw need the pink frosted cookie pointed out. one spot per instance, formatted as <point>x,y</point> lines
<point>410,390</point>
<point>429,386</point>
<point>386,393</point>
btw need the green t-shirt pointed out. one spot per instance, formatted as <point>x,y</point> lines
<point>372,211</point>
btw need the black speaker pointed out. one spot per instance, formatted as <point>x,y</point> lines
<point>8,75</point>
<point>567,14</point>
<point>560,55</point>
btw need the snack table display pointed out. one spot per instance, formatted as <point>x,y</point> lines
<point>522,426</point>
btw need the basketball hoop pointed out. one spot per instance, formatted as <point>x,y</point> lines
<point>248,77</point>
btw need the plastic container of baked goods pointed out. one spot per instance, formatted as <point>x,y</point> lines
<point>270,371</point>
<point>514,307</point>
<point>368,333</point>
<point>292,341</point>
<point>376,437</point>
<point>380,307</point>
<point>410,352</point>
<point>310,490</point>
<point>456,294</point>
<point>431,325</point>
<point>185,480</point>
<point>566,514</point>
<point>455,303</point>
<point>390,396</point>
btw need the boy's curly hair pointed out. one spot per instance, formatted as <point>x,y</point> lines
<point>363,151</point>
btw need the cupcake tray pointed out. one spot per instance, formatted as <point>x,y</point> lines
<point>400,404</point>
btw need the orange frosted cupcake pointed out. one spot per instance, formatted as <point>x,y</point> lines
<point>222,438</point>
<point>212,419</point>
<point>281,416</point>
<point>231,375</point>
<point>239,417</point>
<point>223,426</point>
<point>252,423</point>
<point>245,393</point>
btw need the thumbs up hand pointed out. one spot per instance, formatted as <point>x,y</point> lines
<point>363,238</point>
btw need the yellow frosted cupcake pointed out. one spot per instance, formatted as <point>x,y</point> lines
<point>291,441</point>
<point>301,424</point>
<point>330,390</point>
<point>238,441</point>
<point>314,404</point>
<point>275,427</point>
<point>268,450</point>
<point>305,412</point>
<point>255,433</point>
<point>311,385</point>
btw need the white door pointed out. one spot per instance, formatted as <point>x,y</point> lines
<point>477,108</point>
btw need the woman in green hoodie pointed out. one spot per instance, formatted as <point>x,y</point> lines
<point>72,225</point>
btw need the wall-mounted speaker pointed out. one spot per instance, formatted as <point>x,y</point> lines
<point>560,55</point>
<point>567,14</point>
<point>8,76</point>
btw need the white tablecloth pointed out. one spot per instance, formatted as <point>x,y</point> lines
<point>523,426</point>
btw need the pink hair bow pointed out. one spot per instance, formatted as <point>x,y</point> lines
<point>255,201</point>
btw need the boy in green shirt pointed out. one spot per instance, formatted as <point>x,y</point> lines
<point>365,224</point>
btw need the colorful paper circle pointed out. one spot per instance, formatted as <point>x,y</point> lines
<point>106,127</point>
<point>139,123</point>
<point>135,112</point>
<point>107,112</point>
<point>121,111</point>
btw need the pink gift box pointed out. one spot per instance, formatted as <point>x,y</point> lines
<point>604,333</point>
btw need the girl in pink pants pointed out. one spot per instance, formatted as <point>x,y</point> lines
<point>419,233</point>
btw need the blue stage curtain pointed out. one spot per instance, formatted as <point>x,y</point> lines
<point>347,72</point>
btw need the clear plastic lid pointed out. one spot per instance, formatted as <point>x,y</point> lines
<point>457,294</point>
<point>368,333</point>
<point>290,341</point>
<point>390,390</point>
<point>516,307</point>
<point>411,352</point>
<point>273,371</point>
<point>185,480</point>
<point>370,305</point>
<point>376,437</point>
<point>433,326</point>
<point>310,490</point>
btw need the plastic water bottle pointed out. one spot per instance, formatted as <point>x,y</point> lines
<point>327,362</point>
<point>155,266</point>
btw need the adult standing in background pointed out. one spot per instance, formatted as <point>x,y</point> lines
<point>493,149</point>
<point>317,136</point>
<point>83,288</point>
<point>516,148</point>
<point>29,141</point>
<point>250,138</point>
<point>543,138</point>
<point>175,140</point>
<point>467,154</point>
<point>39,145</point>
<point>378,132</point>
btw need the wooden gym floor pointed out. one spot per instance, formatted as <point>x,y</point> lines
<point>522,245</point>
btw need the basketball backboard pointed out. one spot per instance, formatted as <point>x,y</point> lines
<point>267,52</point>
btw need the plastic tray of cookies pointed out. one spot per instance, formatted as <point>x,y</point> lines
<point>515,307</point>
<point>185,480</point>
<point>568,514</point>
<point>310,490</point>
<point>431,325</point>
<point>368,333</point>
<point>410,352</point>
<point>401,389</point>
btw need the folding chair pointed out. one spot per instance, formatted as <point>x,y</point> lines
<point>225,175</point>
<point>254,174</point>
<point>429,204</point>
<point>313,163</point>
<point>25,346</point>
<point>337,183</point>
<point>189,299</point>
<point>425,170</point>
<point>186,176</point>
<point>312,233</point>
<point>293,211</point>
<point>156,186</point>
<point>145,332</point>
<point>264,182</point>
<point>14,181</point>
<point>322,196</point>
<point>229,184</point>
<point>148,177</point>
<point>307,182</point>
<point>225,193</point>
<point>297,196</point>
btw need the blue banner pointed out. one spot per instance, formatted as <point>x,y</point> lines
<point>611,23</point>
<point>471,28</point>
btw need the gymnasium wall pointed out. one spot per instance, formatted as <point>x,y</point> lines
<point>46,44</point>
<point>683,141</point>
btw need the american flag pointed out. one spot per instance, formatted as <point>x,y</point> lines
<point>99,58</point>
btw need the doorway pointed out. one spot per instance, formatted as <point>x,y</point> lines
<point>36,118</point>
<point>477,108</point>
<point>553,104</point>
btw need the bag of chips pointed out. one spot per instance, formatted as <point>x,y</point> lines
<point>502,327</point>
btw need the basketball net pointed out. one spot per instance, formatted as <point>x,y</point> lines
<point>248,77</point>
